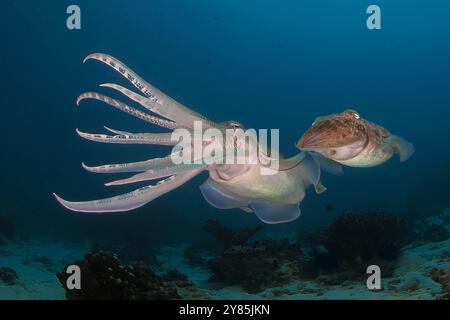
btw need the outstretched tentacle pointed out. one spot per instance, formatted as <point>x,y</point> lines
<point>143,101</point>
<point>172,109</point>
<point>141,166</point>
<point>157,174</point>
<point>163,139</point>
<point>124,107</point>
<point>117,131</point>
<point>130,200</point>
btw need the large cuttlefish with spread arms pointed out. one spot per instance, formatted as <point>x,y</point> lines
<point>274,198</point>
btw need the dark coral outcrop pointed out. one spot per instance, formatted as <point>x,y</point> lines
<point>136,249</point>
<point>256,266</point>
<point>443,278</point>
<point>356,239</point>
<point>8,276</point>
<point>104,277</point>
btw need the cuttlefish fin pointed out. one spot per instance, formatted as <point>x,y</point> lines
<point>292,162</point>
<point>404,149</point>
<point>327,165</point>
<point>247,209</point>
<point>276,213</point>
<point>283,164</point>
<point>220,198</point>
<point>310,171</point>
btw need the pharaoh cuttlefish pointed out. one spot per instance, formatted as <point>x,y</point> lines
<point>343,138</point>
<point>274,198</point>
<point>353,141</point>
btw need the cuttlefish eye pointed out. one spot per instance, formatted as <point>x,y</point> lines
<point>234,125</point>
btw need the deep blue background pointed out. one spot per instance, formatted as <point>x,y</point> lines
<point>266,63</point>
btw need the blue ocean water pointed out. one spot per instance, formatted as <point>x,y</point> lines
<point>267,64</point>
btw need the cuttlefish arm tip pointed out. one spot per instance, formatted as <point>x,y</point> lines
<point>85,167</point>
<point>89,57</point>
<point>79,98</point>
<point>66,204</point>
<point>97,56</point>
<point>69,205</point>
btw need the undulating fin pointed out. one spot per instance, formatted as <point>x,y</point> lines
<point>286,164</point>
<point>152,164</point>
<point>163,139</point>
<point>221,198</point>
<point>327,165</point>
<point>404,149</point>
<point>126,108</point>
<point>157,174</point>
<point>276,213</point>
<point>319,188</point>
<point>130,200</point>
<point>310,171</point>
<point>169,108</point>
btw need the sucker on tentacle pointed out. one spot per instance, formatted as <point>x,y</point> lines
<point>163,139</point>
<point>126,108</point>
<point>130,200</point>
<point>143,101</point>
<point>141,166</point>
<point>157,174</point>
<point>175,110</point>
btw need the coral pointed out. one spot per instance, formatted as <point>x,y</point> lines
<point>356,239</point>
<point>8,276</point>
<point>435,233</point>
<point>194,256</point>
<point>229,237</point>
<point>46,261</point>
<point>104,277</point>
<point>443,278</point>
<point>261,265</point>
<point>6,228</point>
<point>136,249</point>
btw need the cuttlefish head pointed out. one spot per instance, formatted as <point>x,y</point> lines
<point>338,137</point>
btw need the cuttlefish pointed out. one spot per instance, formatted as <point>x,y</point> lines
<point>348,139</point>
<point>274,198</point>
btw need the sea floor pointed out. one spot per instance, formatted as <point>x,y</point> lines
<point>37,262</point>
